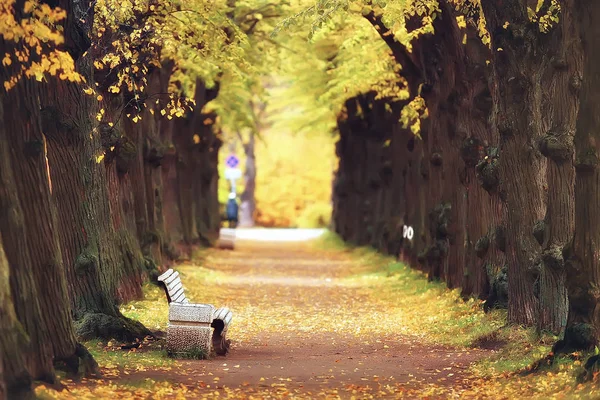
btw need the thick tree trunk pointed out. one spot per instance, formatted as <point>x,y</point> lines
<point>118,155</point>
<point>560,118</point>
<point>135,135</point>
<point>169,207</point>
<point>80,188</point>
<point>525,63</point>
<point>172,212</point>
<point>583,263</point>
<point>397,163</point>
<point>15,380</point>
<point>206,158</point>
<point>183,140</point>
<point>248,199</point>
<point>197,175</point>
<point>31,179</point>
<point>14,230</point>
<point>129,286</point>
<point>31,225</point>
<point>17,353</point>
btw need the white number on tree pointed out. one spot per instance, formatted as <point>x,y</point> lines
<point>408,232</point>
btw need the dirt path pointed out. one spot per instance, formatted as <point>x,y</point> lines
<point>301,328</point>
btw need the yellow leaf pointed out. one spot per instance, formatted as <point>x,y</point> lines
<point>6,60</point>
<point>99,97</point>
<point>196,138</point>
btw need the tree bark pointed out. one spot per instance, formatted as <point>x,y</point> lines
<point>17,353</point>
<point>583,264</point>
<point>80,188</point>
<point>522,57</point>
<point>14,230</point>
<point>197,171</point>
<point>560,117</point>
<point>15,380</point>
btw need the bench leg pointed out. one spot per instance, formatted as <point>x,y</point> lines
<point>219,342</point>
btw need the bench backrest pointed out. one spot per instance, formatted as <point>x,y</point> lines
<point>173,287</point>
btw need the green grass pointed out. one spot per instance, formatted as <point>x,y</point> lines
<point>109,356</point>
<point>194,354</point>
<point>442,315</point>
<point>330,241</point>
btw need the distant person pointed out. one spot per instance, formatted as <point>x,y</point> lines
<point>232,211</point>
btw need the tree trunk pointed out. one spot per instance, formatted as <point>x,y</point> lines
<point>17,353</point>
<point>15,380</point>
<point>13,226</point>
<point>583,266</point>
<point>172,213</point>
<point>206,158</point>
<point>80,188</point>
<point>560,118</point>
<point>525,63</point>
<point>183,141</point>
<point>196,169</point>
<point>248,199</point>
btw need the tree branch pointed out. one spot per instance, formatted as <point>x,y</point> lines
<point>401,55</point>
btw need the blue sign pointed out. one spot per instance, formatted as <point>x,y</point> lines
<point>232,161</point>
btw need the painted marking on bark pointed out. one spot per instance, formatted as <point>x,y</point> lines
<point>408,232</point>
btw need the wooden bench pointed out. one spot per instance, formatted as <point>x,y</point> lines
<point>190,324</point>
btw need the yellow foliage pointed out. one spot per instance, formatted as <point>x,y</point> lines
<point>294,174</point>
<point>413,113</point>
<point>34,38</point>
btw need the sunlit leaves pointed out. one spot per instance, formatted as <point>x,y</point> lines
<point>132,37</point>
<point>547,19</point>
<point>344,59</point>
<point>35,38</point>
<point>413,113</point>
<point>471,12</point>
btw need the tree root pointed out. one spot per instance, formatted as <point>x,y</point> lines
<point>21,389</point>
<point>104,326</point>
<point>562,348</point>
<point>590,369</point>
<point>540,365</point>
<point>81,358</point>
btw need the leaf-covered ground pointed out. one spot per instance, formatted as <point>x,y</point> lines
<point>321,321</point>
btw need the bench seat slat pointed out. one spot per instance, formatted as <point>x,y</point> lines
<point>221,312</point>
<point>179,299</point>
<point>178,296</point>
<point>174,288</point>
<point>165,275</point>
<point>172,278</point>
<point>227,319</point>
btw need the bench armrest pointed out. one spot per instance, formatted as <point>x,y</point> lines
<point>191,313</point>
